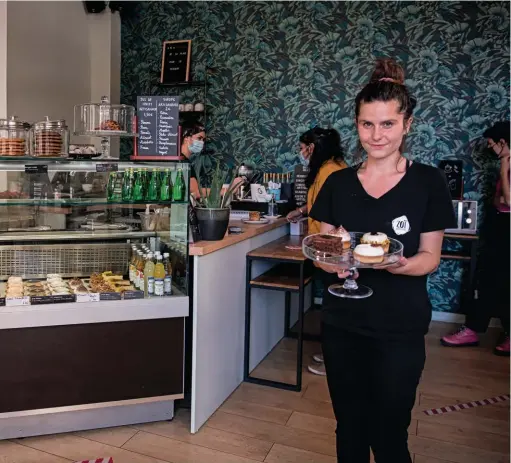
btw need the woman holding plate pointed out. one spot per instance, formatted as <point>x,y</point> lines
<point>374,347</point>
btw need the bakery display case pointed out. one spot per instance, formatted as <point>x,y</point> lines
<point>93,284</point>
<point>79,229</point>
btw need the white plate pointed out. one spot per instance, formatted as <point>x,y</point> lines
<point>272,217</point>
<point>255,222</point>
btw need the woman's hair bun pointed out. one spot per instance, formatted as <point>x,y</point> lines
<point>388,69</point>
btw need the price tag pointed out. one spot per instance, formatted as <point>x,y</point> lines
<point>17,301</point>
<point>36,168</point>
<point>91,297</point>
<point>107,167</point>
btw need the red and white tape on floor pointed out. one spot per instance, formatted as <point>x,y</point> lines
<point>464,406</point>
<point>98,460</point>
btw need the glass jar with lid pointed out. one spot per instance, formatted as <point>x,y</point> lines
<point>50,138</point>
<point>104,119</point>
<point>14,137</point>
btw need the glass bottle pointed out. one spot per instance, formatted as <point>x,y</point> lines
<point>154,184</point>
<point>178,192</point>
<point>110,187</point>
<point>167,282</point>
<point>138,188</point>
<point>139,276</point>
<point>127,185</point>
<point>166,187</point>
<point>149,276</point>
<point>159,276</point>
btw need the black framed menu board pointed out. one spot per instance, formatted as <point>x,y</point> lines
<point>300,189</point>
<point>175,61</point>
<point>158,128</point>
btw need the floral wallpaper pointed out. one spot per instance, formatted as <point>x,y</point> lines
<point>275,69</point>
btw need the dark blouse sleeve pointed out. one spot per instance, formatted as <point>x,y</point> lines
<point>193,174</point>
<point>322,209</point>
<point>440,211</point>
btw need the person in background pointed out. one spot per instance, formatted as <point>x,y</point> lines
<point>193,143</point>
<point>374,348</point>
<point>321,153</point>
<point>493,291</point>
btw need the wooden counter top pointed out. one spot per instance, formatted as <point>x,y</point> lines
<point>201,248</point>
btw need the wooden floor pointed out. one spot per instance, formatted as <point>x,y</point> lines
<point>264,424</point>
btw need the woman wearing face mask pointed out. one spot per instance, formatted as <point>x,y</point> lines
<point>374,347</point>
<point>193,144</point>
<point>321,153</point>
<point>494,284</point>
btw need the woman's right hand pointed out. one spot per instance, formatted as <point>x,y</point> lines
<point>293,216</point>
<point>342,272</point>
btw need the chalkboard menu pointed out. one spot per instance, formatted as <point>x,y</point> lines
<point>300,189</point>
<point>175,61</point>
<point>158,127</point>
<point>453,171</point>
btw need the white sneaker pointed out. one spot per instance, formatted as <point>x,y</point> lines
<point>317,369</point>
<point>318,358</point>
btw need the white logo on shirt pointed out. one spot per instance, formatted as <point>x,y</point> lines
<point>401,225</point>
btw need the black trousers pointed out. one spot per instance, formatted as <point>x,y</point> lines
<point>372,384</point>
<point>494,278</point>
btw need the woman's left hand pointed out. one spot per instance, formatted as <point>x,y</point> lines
<point>396,268</point>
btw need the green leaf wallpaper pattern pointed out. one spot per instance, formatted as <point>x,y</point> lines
<point>278,68</point>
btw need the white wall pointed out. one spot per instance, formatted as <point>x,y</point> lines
<point>58,56</point>
<point>48,65</point>
<point>3,60</point>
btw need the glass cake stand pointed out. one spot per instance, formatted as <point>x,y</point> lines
<point>345,260</point>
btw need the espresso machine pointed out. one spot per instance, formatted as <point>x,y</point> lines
<point>255,194</point>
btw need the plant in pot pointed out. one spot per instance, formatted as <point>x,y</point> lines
<point>213,205</point>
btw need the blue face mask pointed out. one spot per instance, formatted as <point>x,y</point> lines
<point>196,146</point>
<point>303,160</point>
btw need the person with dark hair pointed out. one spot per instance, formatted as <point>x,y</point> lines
<point>374,347</point>
<point>321,153</point>
<point>193,143</point>
<point>494,281</point>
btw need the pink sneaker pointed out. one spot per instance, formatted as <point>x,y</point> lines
<point>503,348</point>
<point>462,337</point>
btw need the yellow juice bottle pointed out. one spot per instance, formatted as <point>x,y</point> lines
<point>159,276</point>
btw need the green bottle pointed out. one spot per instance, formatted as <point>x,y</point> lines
<point>127,185</point>
<point>154,186</point>
<point>145,181</point>
<point>110,187</point>
<point>166,187</point>
<point>117,182</point>
<point>178,192</point>
<point>138,188</point>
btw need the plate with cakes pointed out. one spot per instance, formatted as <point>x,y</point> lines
<point>351,251</point>
<point>255,218</point>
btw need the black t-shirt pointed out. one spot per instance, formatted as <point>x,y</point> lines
<point>419,203</point>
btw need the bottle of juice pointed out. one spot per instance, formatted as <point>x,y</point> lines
<point>132,265</point>
<point>149,276</point>
<point>140,266</point>
<point>167,282</point>
<point>159,276</point>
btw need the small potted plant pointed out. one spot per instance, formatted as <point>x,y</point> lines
<point>213,205</point>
